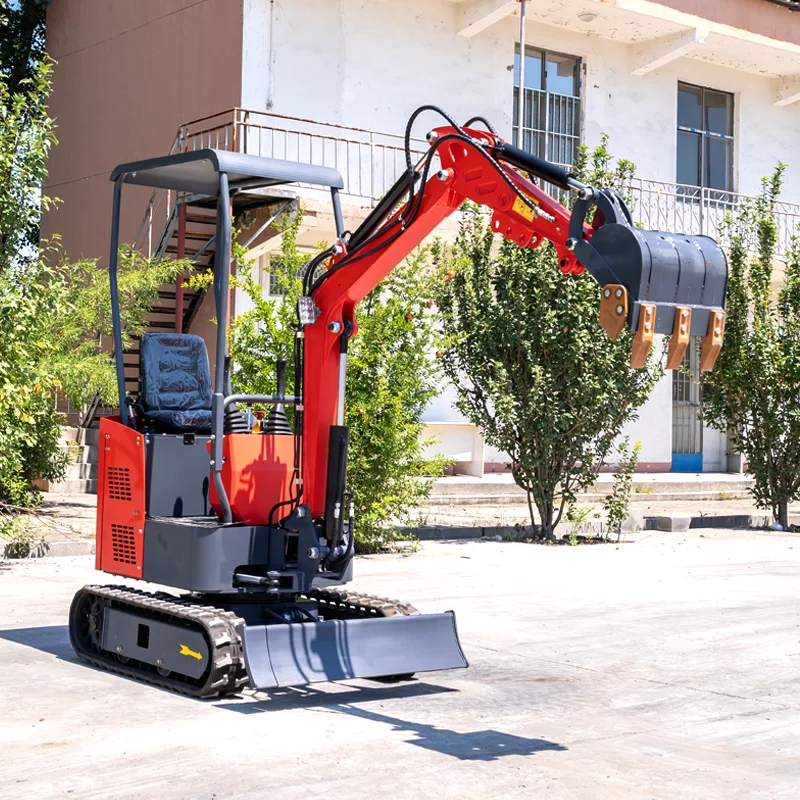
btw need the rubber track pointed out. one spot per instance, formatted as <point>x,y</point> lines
<point>226,674</point>
<point>342,604</point>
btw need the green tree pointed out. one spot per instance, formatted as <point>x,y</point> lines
<point>26,136</point>
<point>752,393</point>
<point>79,329</point>
<point>54,316</point>
<point>391,377</point>
<point>29,424</point>
<point>531,366</point>
<point>22,29</point>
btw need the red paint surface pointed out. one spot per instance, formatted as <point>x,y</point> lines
<point>257,474</point>
<point>121,499</point>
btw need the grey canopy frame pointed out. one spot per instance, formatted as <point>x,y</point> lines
<point>220,174</point>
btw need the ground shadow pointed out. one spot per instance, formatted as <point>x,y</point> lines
<point>53,639</point>
<point>310,697</point>
<point>485,745</point>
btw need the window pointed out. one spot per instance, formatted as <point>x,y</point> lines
<point>268,266</point>
<point>552,106</point>
<point>705,137</point>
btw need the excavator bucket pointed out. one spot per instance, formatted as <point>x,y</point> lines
<point>342,649</point>
<point>656,282</point>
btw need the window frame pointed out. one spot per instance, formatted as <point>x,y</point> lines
<point>705,135</point>
<point>517,130</point>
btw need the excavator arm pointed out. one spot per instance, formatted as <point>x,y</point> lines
<point>653,282</point>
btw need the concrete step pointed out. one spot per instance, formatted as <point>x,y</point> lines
<point>82,453</point>
<point>81,471</point>
<point>500,489</point>
<point>74,486</point>
<point>518,499</point>
<point>82,436</point>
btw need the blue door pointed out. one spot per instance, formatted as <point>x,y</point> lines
<point>687,427</point>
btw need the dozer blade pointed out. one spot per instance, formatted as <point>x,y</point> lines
<point>309,652</point>
<point>655,282</point>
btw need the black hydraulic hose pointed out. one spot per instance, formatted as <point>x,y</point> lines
<point>416,202</point>
<point>312,265</point>
<point>487,124</point>
<point>381,211</point>
<point>407,138</point>
<point>367,230</point>
<point>531,163</point>
<point>297,469</point>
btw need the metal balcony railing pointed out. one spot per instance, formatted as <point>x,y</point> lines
<point>675,207</point>
<point>371,161</point>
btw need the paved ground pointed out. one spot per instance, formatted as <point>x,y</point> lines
<point>662,669</point>
<point>71,517</point>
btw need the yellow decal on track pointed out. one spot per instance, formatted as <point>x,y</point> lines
<point>523,209</point>
<point>185,651</point>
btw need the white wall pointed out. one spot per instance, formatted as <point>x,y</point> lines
<point>370,64</point>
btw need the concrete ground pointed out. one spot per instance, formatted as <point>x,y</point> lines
<point>667,668</point>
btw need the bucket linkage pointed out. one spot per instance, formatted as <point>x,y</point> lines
<point>653,281</point>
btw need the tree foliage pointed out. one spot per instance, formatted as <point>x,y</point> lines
<point>26,136</point>
<point>531,366</point>
<point>391,377</point>
<point>752,393</point>
<point>22,35</point>
<point>55,317</point>
<point>29,424</point>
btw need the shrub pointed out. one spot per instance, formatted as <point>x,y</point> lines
<point>752,393</point>
<point>530,363</point>
<point>391,377</point>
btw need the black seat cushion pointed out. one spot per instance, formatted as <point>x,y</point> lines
<point>175,382</point>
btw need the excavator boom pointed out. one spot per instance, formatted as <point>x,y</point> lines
<point>653,282</point>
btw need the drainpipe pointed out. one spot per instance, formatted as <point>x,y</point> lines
<point>521,95</point>
<point>270,57</point>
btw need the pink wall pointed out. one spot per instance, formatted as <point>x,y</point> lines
<point>128,74</point>
<point>756,16</point>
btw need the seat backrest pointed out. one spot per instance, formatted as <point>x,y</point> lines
<point>173,372</point>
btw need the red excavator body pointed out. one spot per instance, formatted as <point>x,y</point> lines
<point>254,522</point>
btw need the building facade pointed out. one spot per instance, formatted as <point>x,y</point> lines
<point>703,97</point>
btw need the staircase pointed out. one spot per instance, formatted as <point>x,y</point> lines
<point>198,246</point>
<point>81,477</point>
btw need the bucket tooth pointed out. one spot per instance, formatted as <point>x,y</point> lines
<point>613,309</point>
<point>643,337</point>
<point>712,341</point>
<point>681,331</point>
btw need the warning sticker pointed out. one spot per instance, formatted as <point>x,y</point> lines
<point>523,209</point>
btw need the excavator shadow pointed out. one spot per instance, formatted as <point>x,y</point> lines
<point>311,697</point>
<point>483,745</point>
<point>53,639</point>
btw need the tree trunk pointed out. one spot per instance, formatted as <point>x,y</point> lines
<point>783,514</point>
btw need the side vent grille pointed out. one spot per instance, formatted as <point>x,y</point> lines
<point>123,544</point>
<point>119,483</point>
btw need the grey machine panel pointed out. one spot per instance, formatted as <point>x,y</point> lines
<point>200,556</point>
<point>177,475</point>
<point>172,647</point>
<point>301,653</point>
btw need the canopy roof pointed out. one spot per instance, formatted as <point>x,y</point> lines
<point>198,172</point>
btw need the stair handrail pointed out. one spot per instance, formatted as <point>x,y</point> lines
<point>156,198</point>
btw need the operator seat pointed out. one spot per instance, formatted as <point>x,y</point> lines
<point>175,383</point>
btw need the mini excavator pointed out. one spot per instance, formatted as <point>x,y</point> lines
<point>255,528</point>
